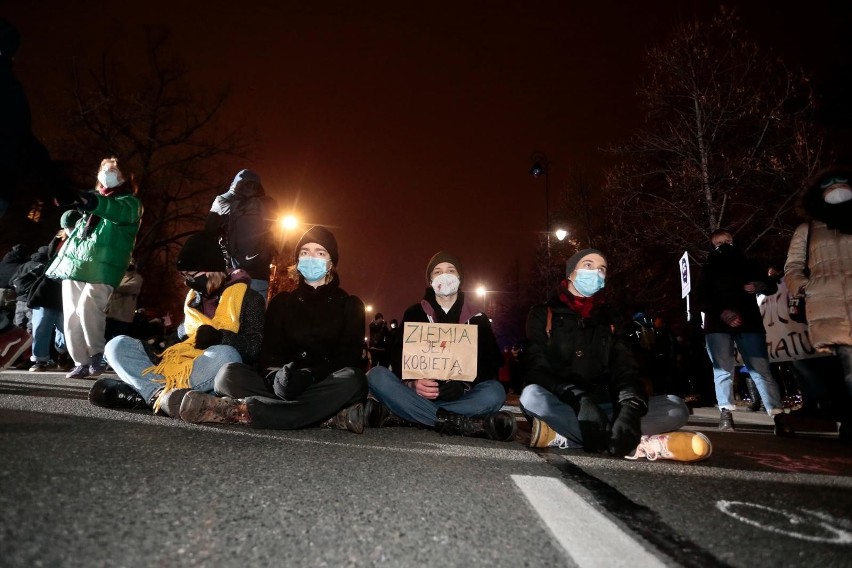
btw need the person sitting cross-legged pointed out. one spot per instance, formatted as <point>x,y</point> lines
<point>584,387</point>
<point>223,324</point>
<point>449,406</point>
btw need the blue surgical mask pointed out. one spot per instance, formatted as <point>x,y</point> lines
<point>588,282</point>
<point>312,268</point>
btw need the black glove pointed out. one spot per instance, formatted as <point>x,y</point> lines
<point>207,335</point>
<point>627,428</point>
<point>594,425</point>
<point>449,391</point>
<point>289,383</point>
<point>86,201</point>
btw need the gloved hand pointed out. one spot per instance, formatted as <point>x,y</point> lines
<point>290,383</point>
<point>627,428</point>
<point>449,391</point>
<point>594,425</point>
<point>86,201</point>
<point>207,335</point>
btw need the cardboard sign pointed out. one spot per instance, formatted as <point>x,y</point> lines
<point>441,351</point>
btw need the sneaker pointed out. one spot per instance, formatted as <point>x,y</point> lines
<point>78,372</point>
<point>112,393</point>
<point>13,342</point>
<point>376,414</point>
<point>40,366</point>
<point>726,421</point>
<point>677,446</point>
<point>197,407</point>
<point>543,436</point>
<point>500,425</point>
<point>350,418</point>
<point>97,365</point>
<point>168,404</point>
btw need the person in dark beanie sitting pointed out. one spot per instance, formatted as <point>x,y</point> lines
<point>449,406</point>
<point>223,323</point>
<point>584,385</point>
<point>311,357</point>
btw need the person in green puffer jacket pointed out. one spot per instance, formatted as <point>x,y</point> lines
<point>93,261</point>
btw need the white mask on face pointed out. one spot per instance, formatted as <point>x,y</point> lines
<point>445,284</point>
<point>109,178</point>
<point>839,194</point>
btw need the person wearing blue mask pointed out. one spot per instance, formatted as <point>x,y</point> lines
<point>310,370</point>
<point>584,388</point>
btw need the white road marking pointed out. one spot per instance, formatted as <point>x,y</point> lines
<point>588,537</point>
<point>784,522</point>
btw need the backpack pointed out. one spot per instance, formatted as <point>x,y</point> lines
<point>23,280</point>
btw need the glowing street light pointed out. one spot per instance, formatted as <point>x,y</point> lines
<point>481,291</point>
<point>368,308</point>
<point>289,222</point>
<point>561,234</point>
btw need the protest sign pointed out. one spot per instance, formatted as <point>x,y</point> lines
<point>444,351</point>
<point>786,340</point>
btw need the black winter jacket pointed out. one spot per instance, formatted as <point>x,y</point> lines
<point>320,329</point>
<point>586,354</point>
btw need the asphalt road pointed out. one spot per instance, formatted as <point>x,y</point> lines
<point>86,486</point>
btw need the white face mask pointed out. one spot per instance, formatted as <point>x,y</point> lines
<point>837,195</point>
<point>109,178</point>
<point>445,284</point>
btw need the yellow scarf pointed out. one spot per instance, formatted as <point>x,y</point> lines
<point>176,364</point>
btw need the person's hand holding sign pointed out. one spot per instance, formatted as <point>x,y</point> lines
<point>427,388</point>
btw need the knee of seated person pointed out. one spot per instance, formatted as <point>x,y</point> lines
<point>380,374</point>
<point>116,345</point>
<point>677,409</point>
<point>224,377</point>
<point>531,396</point>
<point>492,391</point>
<point>224,352</point>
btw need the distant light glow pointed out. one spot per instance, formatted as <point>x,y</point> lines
<point>561,234</point>
<point>368,308</point>
<point>289,222</point>
<point>481,291</point>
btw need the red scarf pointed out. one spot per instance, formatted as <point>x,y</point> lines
<point>580,304</point>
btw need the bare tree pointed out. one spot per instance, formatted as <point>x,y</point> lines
<point>728,140</point>
<point>155,121</point>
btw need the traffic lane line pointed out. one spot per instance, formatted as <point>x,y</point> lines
<point>588,536</point>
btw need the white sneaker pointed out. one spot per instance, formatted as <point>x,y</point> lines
<point>677,446</point>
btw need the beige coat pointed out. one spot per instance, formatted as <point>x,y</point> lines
<point>828,289</point>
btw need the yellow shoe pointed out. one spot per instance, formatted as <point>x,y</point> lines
<point>543,436</point>
<point>678,446</point>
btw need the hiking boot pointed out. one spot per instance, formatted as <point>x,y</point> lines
<point>726,421</point>
<point>350,418</point>
<point>500,425</point>
<point>78,372</point>
<point>40,366</point>
<point>168,403</point>
<point>97,365</point>
<point>112,393</point>
<point>376,414</point>
<point>197,407</point>
<point>13,343</point>
<point>677,446</point>
<point>543,436</point>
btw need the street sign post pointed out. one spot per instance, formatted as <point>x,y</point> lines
<point>685,283</point>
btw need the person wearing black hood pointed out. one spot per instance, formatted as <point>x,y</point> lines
<point>10,264</point>
<point>242,219</point>
<point>819,268</point>
<point>448,406</point>
<point>310,361</point>
<point>727,296</point>
<point>584,388</point>
<point>22,281</point>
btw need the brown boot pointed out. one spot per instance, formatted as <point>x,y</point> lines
<point>199,407</point>
<point>350,418</point>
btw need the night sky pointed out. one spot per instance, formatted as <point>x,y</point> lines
<point>407,127</point>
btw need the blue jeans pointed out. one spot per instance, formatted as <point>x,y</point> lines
<point>44,320</point>
<point>752,347</point>
<point>484,398</point>
<point>666,413</point>
<point>128,359</point>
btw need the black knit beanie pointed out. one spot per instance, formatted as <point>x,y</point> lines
<point>572,262</point>
<point>201,253</point>
<point>438,258</point>
<point>321,236</point>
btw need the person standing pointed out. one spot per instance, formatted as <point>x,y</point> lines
<point>92,263</point>
<point>584,387</point>
<point>310,360</point>
<point>451,407</point>
<point>819,268</point>
<point>727,295</point>
<point>242,219</point>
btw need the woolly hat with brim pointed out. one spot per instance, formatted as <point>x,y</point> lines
<point>201,253</point>
<point>321,236</point>
<point>70,218</point>
<point>438,258</point>
<point>578,256</point>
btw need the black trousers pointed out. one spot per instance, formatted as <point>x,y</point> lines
<point>318,403</point>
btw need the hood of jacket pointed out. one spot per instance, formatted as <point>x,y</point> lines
<point>246,184</point>
<point>835,216</point>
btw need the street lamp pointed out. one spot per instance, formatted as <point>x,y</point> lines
<point>561,234</point>
<point>368,308</point>
<point>481,291</point>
